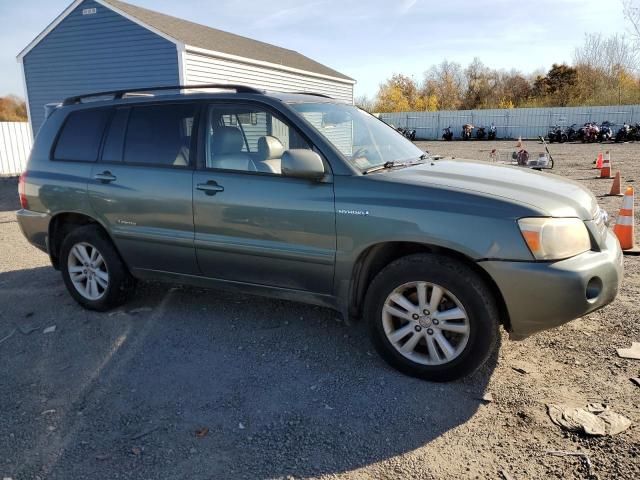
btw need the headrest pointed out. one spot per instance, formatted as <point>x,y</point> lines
<point>270,148</point>
<point>227,140</point>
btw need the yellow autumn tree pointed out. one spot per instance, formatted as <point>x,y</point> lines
<point>505,103</point>
<point>391,99</point>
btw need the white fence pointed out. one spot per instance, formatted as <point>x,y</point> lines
<point>511,123</point>
<point>15,145</point>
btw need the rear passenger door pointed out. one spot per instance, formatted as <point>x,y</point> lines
<point>141,187</point>
<point>253,224</point>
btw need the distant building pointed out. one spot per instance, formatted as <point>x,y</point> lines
<point>99,45</point>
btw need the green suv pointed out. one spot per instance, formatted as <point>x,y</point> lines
<point>301,197</point>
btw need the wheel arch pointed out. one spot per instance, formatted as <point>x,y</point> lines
<point>374,258</point>
<point>64,222</point>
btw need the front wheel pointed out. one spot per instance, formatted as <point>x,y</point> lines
<point>93,271</point>
<point>432,317</point>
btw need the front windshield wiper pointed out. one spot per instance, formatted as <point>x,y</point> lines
<point>395,164</point>
<point>376,168</point>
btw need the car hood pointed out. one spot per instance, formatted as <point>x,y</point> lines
<point>549,194</point>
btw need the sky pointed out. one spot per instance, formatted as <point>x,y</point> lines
<point>368,41</point>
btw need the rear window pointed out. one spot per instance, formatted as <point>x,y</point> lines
<point>81,134</point>
<point>159,135</point>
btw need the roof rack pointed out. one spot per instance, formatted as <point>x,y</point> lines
<point>119,94</point>
<point>315,94</point>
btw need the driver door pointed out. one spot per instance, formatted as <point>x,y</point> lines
<point>252,224</point>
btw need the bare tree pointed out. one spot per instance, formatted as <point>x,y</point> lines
<point>609,55</point>
<point>447,83</point>
<point>365,103</point>
<point>631,10</point>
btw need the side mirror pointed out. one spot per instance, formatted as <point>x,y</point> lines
<point>302,163</point>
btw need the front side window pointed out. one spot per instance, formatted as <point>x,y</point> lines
<point>247,138</point>
<point>159,135</point>
<point>364,140</point>
<point>81,134</point>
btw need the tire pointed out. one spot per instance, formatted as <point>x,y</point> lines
<point>454,279</point>
<point>108,291</point>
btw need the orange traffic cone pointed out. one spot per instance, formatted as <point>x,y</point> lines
<point>624,227</point>
<point>599,161</point>
<point>615,187</point>
<point>605,171</point>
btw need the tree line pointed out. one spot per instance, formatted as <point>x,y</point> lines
<point>12,109</point>
<point>604,71</point>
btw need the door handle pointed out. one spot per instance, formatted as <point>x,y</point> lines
<point>105,177</point>
<point>210,188</point>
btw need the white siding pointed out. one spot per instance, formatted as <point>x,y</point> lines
<point>204,69</point>
<point>15,145</point>
<point>340,135</point>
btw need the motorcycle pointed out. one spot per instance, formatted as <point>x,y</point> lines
<point>481,133</point>
<point>572,133</point>
<point>581,132</point>
<point>624,133</point>
<point>606,132</point>
<point>407,133</point>
<point>492,132</point>
<point>447,136</point>
<point>557,134</point>
<point>591,132</point>
<point>467,131</point>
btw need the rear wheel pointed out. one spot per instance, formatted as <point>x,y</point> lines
<point>432,317</point>
<point>92,270</point>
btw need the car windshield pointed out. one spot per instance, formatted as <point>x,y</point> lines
<point>365,141</point>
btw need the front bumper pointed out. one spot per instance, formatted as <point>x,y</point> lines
<point>543,295</point>
<point>35,227</point>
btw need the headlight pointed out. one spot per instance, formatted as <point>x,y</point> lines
<point>555,238</point>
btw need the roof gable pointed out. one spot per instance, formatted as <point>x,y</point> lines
<point>183,32</point>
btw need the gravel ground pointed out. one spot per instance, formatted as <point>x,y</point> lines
<point>283,390</point>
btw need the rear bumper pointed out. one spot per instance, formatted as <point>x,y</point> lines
<point>35,227</point>
<point>540,295</point>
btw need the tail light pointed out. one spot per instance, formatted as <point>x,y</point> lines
<point>21,191</point>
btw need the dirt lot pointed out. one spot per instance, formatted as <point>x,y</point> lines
<point>288,390</point>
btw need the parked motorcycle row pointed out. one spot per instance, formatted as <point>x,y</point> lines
<point>481,132</point>
<point>407,132</point>
<point>592,132</point>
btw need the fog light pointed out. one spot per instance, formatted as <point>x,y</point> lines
<point>594,288</point>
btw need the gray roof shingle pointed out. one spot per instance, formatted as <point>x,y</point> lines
<point>201,36</point>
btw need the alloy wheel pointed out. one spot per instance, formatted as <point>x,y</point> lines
<point>88,271</point>
<point>425,323</point>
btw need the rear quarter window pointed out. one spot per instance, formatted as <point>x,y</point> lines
<point>80,137</point>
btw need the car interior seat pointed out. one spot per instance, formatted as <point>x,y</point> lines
<point>226,150</point>
<point>270,151</point>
